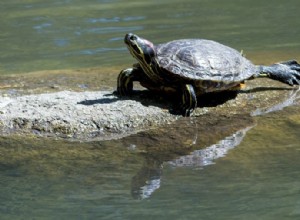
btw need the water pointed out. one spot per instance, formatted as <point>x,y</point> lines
<point>250,173</point>
<point>236,168</point>
<point>43,34</point>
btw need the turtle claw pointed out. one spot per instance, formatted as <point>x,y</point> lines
<point>293,81</point>
<point>292,64</point>
<point>186,112</point>
<point>292,72</point>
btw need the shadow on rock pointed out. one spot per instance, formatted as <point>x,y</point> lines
<point>263,89</point>
<point>216,98</point>
<point>99,101</point>
<point>164,101</point>
<point>145,97</point>
<point>171,101</point>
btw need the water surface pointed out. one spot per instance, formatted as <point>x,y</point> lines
<point>252,173</point>
<point>184,171</point>
<point>43,34</point>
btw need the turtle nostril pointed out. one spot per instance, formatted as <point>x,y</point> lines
<point>132,37</point>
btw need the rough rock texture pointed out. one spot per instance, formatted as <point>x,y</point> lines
<point>78,115</point>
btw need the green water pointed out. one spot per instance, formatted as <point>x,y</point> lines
<point>183,171</point>
<point>252,174</point>
<point>44,34</point>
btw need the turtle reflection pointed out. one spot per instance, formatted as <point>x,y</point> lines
<point>147,181</point>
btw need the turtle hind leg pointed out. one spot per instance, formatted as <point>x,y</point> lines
<point>287,72</point>
<point>189,100</point>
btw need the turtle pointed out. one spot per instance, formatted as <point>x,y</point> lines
<point>192,67</point>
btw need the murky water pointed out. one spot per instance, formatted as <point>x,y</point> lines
<point>234,168</point>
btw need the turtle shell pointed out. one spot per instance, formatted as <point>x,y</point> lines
<point>203,60</point>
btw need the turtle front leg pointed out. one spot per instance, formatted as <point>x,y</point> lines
<point>125,81</point>
<point>189,100</point>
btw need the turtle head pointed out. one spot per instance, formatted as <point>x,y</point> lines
<point>141,49</point>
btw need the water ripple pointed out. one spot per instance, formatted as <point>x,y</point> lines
<point>42,26</point>
<point>115,19</point>
<point>105,30</point>
<point>115,39</point>
<point>61,42</point>
<point>95,51</point>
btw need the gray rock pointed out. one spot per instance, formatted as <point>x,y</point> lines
<point>78,115</point>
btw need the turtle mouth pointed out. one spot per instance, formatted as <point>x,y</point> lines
<point>131,40</point>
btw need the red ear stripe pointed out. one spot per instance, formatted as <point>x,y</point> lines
<point>148,43</point>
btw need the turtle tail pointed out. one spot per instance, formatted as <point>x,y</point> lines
<point>287,72</point>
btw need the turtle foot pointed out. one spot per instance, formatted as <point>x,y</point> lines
<point>287,72</point>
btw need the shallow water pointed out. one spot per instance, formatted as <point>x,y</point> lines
<point>249,173</point>
<point>235,168</point>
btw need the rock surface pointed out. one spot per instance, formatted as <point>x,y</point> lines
<point>32,106</point>
<point>78,115</point>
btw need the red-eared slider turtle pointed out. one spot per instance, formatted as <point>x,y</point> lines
<point>192,67</point>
